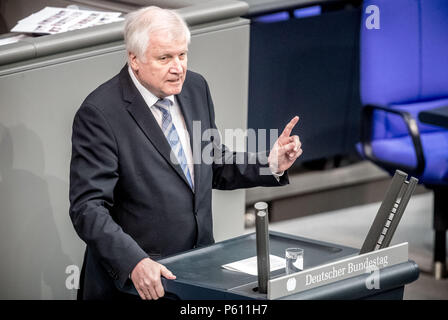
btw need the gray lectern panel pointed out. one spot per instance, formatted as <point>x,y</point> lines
<point>391,285</point>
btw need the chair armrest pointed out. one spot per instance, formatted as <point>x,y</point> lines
<point>435,116</point>
<point>411,125</point>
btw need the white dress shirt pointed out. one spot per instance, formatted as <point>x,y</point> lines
<point>176,115</point>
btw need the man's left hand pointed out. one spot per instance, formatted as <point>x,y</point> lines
<point>286,149</point>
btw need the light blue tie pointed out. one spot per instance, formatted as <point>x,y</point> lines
<point>171,135</point>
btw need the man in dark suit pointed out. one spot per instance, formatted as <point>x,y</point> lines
<point>139,191</point>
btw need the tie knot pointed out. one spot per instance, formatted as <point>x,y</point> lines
<point>163,104</point>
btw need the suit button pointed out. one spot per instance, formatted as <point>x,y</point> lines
<point>113,274</point>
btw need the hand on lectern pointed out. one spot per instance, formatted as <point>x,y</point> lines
<point>146,278</point>
<point>286,149</point>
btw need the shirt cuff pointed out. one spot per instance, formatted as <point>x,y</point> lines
<point>277,175</point>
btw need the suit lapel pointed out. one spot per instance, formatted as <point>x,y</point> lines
<point>143,116</point>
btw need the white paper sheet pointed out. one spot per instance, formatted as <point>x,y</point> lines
<point>249,265</point>
<point>51,20</point>
<point>13,39</point>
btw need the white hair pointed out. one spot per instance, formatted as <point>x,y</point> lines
<point>141,23</point>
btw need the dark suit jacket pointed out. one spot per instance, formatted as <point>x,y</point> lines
<point>128,201</point>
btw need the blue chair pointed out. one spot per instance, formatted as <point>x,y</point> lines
<point>404,70</point>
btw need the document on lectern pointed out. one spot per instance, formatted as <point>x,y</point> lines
<point>51,20</point>
<point>249,265</point>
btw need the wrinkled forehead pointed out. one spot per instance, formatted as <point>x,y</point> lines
<point>170,33</point>
<point>166,40</point>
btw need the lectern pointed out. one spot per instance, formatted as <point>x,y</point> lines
<point>200,275</point>
<point>331,271</point>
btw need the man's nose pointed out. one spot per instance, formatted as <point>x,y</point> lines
<point>176,66</point>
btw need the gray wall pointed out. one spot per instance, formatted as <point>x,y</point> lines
<point>38,100</point>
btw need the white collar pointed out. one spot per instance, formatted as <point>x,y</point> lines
<point>147,95</point>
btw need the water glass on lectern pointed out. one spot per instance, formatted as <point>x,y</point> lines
<point>294,260</point>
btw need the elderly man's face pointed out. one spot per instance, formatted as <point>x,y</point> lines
<point>163,73</point>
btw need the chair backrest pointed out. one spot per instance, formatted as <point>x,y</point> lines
<point>405,61</point>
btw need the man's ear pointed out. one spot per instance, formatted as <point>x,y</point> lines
<point>132,58</point>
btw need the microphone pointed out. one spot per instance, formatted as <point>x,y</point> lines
<point>262,235</point>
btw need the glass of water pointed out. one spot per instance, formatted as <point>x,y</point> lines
<point>294,260</point>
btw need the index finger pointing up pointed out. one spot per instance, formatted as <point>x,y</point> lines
<point>287,131</point>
